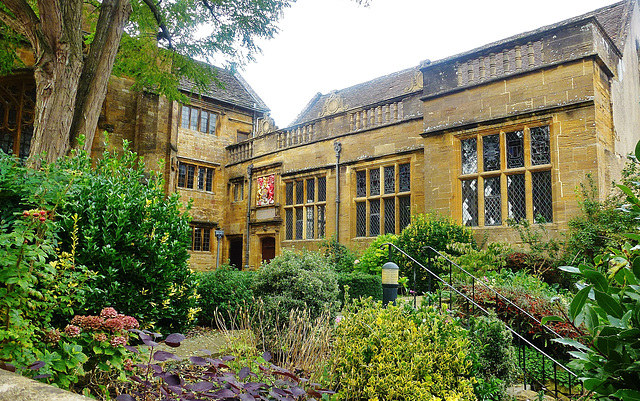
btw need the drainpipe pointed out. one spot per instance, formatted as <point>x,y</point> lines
<point>246,245</point>
<point>337,146</point>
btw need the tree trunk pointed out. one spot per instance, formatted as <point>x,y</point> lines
<point>58,51</point>
<point>98,65</point>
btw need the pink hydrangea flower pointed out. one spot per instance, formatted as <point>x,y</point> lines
<point>117,341</point>
<point>114,324</point>
<point>72,330</point>
<point>130,322</point>
<point>100,337</point>
<point>108,312</point>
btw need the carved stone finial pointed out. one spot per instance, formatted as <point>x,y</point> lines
<point>266,125</point>
<point>334,104</point>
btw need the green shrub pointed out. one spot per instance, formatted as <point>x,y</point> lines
<point>395,353</point>
<point>340,257</point>
<point>291,281</point>
<point>494,357</point>
<point>224,290</point>
<point>375,255</point>
<point>134,236</point>
<point>429,230</point>
<point>361,285</point>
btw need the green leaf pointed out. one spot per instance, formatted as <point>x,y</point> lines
<point>569,269</point>
<point>599,281</point>
<point>578,302</point>
<point>608,304</point>
<point>547,319</point>
<point>572,343</point>
<point>591,319</point>
<point>97,350</point>
<point>627,394</point>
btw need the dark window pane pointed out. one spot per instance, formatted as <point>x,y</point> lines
<point>361,183</point>
<point>540,148</point>
<point>404,202</point>
<point>289,193</point>
<point>26,134</point>
<point>299,222</point>
<point>390,216</point>
<point>182,175</point>
<point>492,202</point>
<point>469,156</point>
<point>541,197</point>
<point>209,185</point>
<point>204,121</point>
<point>322,189</point>
<point>374,182</point>
<point>516,200</point>
<point>321,221</point>
<point>197,239</point>
<point>213,118</point>
<point>491,152</point>
<point>194,119</point>
<point>310,221</point>
<point>299,192</point>
<point>515,149</point>
<point>311,184</point>
<point>470,202</point>
<point>374,218</point>
<point>185,117</point>
<point>206,238</point>
<point>6,141</point>
<point>390,179</point>
<point>405,177</point>
<point>361,219</point>
<point>191,171</point>
<point>202,174</point>
<point>289,224</point>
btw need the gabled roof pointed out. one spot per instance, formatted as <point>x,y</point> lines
<point>378,89</point>
<point>230,88</point>
<point>614,20</point>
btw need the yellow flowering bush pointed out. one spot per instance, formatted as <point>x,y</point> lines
<point>396,353</point>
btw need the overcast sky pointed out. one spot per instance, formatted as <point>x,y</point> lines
<point>333,44</point>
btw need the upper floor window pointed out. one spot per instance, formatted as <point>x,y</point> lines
<point>193,176</point>
<point>242,136</point>
<point>17,110</point>
<point>197,119</point>
<point>305,208</point>
<point>506,175</point>
<point>238,191</point>
<point>383,199</point>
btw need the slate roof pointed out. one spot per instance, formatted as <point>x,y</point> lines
<point>614,19</point>
<point>234,90</point>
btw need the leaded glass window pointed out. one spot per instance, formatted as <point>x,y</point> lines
<point>404,176</point>
<point>311,191</point>
<point>390,215</point>
<point>541,196</point>
<point>517,172</point>
<point>361,184</point>
<point>374,182</point>
<point>492,202</point>
<point>491,152</point>
<point>383,211</point>
<point>470,202</point>
<point>469,156</point>
<point>515,149</point>
<point>540,147</point>
<point>374,217</point>
<point>289,193</point>
<point>389,179</point>
<point>361,219</point>
<point>516,197</point>
<point>194,120</point>
<point>197,119</point>
<point>308,222</point>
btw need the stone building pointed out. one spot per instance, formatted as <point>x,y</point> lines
<point>504,131</point>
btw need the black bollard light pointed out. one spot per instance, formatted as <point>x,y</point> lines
<point>390,272</point>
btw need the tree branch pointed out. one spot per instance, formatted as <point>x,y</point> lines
<point>23,21</point>
<point>164,32</point>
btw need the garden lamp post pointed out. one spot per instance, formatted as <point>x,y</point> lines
<point>390,272</point>
<point>219,234</point>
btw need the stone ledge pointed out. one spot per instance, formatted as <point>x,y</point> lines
<point>14,387</point>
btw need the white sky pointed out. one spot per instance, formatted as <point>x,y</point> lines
<point>333,44</point>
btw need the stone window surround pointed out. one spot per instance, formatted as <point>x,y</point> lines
<point>209,176</point>
<point>318,207</point>
<point>200,238</point>
<point>198,128</point>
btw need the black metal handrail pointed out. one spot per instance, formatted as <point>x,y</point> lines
<point>521,339</point>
